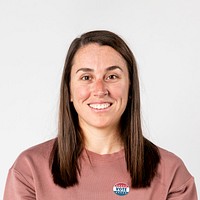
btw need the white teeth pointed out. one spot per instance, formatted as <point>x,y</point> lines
<point>100,106</point>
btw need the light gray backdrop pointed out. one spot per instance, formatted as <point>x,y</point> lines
<point>164,36</point>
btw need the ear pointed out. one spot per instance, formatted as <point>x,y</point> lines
<point>70,96</point>
<point>71,99</point>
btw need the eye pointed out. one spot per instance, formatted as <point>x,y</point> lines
<point>86,78</point>
<point>112,77</point>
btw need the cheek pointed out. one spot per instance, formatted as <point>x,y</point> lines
<point>120,91</point>
<point>79,93</point>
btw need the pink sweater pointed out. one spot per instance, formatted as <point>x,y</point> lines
<point>103,177</point>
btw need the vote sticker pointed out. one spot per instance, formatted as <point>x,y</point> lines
<point>121,189</point>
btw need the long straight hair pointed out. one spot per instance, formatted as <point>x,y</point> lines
<point>142,156</point>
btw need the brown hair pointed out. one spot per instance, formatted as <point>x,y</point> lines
<point>142,156</point>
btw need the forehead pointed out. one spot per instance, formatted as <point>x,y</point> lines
<point>99,54</point>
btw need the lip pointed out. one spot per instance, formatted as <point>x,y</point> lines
<point>100,106</point>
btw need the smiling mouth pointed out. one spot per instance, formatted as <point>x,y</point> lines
<point>100,106</point>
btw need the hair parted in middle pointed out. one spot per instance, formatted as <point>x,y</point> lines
<point>142,156</point>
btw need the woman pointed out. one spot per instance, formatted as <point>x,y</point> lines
<point>100,152</point>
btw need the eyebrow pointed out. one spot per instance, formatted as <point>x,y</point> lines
<point>85,69</point>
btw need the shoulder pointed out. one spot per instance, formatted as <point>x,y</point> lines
<point>169,158</point>
<point>34,155</point>
<point>170,162</point>
<point>42,148</point>
<point>172,170</point>
<point>29,171</point>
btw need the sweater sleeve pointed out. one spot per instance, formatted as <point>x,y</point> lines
<point>18,187</point>
<point>186,191</point>
<point>182,185</point>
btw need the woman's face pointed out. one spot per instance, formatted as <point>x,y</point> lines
<point>99,86</point>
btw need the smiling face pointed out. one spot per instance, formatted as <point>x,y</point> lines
<point>99,86</point>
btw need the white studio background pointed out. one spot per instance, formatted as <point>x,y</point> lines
<point>164,36</point>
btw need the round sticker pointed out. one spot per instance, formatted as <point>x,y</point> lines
<point>121,189</point>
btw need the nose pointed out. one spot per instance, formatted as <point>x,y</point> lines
<point>100,89</point>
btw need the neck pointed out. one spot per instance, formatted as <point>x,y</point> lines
<point>102,141</point>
